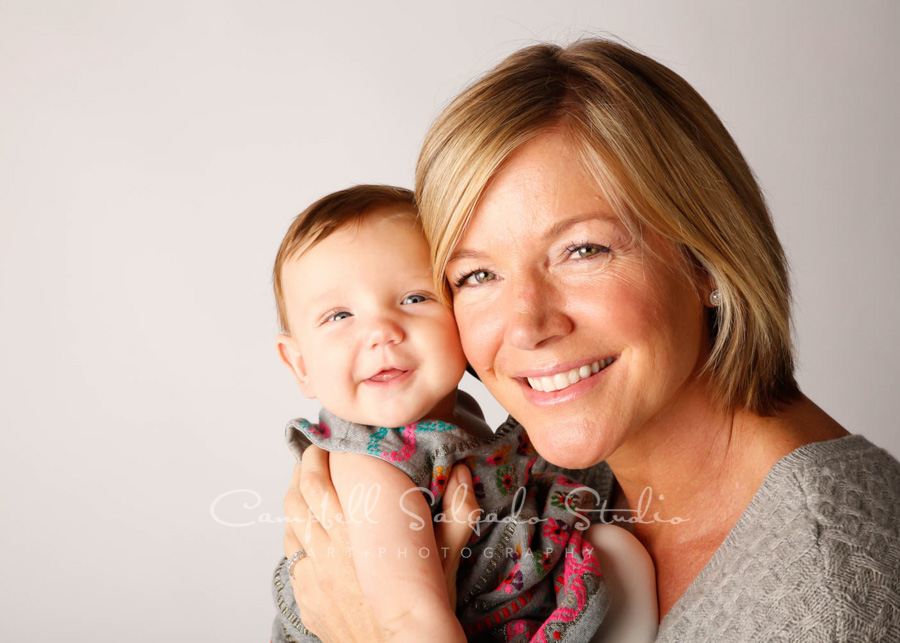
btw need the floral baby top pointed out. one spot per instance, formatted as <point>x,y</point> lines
<point>527,574</point>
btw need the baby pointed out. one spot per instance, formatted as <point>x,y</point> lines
<point>368,336</point>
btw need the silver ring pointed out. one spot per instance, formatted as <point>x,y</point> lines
<point>300,553</point>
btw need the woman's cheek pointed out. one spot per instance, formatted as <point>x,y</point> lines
<point>481,335</point>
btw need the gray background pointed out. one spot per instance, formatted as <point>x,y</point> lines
<point>152,155</point>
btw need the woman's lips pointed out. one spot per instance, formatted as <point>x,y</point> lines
<point>565,378</point>
<point>568,392</point>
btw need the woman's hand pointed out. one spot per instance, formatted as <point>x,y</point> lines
<point>461,508</point>
<point>325,582</point>
<point>331,604</point>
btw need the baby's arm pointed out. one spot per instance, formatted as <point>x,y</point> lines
<point>398,564</point>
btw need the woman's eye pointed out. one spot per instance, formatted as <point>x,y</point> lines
<point>338,316</point>
<point>475,278</point>
<point>587,250</point>
<point>413,299</point>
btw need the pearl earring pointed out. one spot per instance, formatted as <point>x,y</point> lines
<point>715,298</point>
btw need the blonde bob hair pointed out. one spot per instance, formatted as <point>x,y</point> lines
<point>664,162</point>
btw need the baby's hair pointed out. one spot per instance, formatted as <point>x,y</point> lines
<point>329,214</point>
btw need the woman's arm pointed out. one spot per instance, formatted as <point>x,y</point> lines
<point>327,588</point>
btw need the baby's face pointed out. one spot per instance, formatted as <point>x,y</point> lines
<point>374,345</point>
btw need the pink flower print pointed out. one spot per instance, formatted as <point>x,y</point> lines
<point>557,531</point>
<point>408,438</point>
<point>321,429</point>
<point>563,481</point>
<point>498,456</point>
<point>439,480</point>
<point>528,464</point>
<point>513,581</point>
<point>520,626</point>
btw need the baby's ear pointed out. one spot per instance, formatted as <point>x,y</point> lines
<point>289,352</point>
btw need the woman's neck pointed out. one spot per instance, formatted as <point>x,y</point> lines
<point>688,477</point>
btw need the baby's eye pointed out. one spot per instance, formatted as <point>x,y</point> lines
<point>413,299</point>
<point>475,278</point>
<point>338,316</point>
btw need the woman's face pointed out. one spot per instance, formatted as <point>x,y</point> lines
<point>583,334</point>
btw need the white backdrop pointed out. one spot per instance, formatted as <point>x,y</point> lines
<point>152,155</point>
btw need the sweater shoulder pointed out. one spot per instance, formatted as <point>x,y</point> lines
<point>814,556</point>
<point>851,488</point>
<point>852,493</point>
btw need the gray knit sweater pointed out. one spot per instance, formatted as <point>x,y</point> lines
<point>814,557</point>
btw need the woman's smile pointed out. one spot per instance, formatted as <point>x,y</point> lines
<point>557,378</point>
<point>564,386</point>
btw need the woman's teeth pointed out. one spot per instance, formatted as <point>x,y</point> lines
<point>564,380</point>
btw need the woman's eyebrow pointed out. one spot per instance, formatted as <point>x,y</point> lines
<point>456,255</point>
<point>561,226</point>
<point>553,231</point>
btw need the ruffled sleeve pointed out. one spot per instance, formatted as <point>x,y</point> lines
<point>426,451</point>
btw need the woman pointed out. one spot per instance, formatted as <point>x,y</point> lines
<point>585,204</point>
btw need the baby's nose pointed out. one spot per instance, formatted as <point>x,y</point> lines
<point>385,331</point>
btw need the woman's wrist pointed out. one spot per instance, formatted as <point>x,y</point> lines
<point>433,623</point>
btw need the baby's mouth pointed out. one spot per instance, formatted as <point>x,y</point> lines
<point>387,374</point>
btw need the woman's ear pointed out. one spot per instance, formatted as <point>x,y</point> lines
<point>289,352</point>
<point>704,283</point>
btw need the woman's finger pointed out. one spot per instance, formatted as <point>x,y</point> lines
<point>301,521</point>
<point>320,496</point>
<point>326,588</point>
<point>303,532</point>
<point>461,513</point>
<point>291,543</point>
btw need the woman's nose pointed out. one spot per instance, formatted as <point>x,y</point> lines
<point>384,331</point>
<point>535,313</point>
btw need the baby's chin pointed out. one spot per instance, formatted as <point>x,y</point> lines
<point>403,414</point>
<point>388,420</point>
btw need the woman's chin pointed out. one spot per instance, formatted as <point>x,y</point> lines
<point>572,461</point>
<point>572,453</point>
